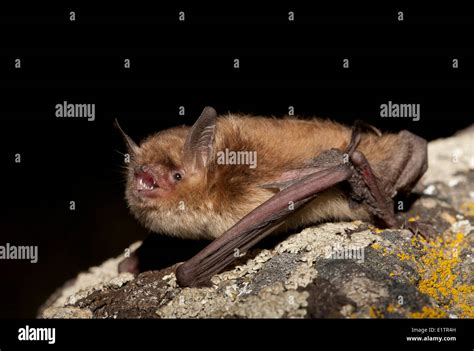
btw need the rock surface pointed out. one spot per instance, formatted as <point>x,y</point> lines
<point>333,270</point>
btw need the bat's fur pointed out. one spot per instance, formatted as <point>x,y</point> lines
<point>213,202</point>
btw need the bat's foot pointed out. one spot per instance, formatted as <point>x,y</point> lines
<point>423,229</point>
<point>130,264</point>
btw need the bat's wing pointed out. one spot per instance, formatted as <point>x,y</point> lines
<point>259,223</point>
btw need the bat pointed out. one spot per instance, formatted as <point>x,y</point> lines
<point>236,179</point>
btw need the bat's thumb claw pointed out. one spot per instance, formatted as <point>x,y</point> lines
<point>184,276</point>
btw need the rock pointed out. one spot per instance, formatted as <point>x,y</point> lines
<point>333,270</point>
<point>450,158</point>
<point>67,313</point>
<point>98,278</point>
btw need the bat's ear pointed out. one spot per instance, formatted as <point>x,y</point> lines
<point>131,145</point>
<point>199,142</point>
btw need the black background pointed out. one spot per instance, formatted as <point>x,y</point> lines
<point>189,64</point>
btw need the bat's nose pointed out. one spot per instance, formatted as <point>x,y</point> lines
<point>141,169</point>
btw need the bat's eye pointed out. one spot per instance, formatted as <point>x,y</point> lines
<point>177,176</point>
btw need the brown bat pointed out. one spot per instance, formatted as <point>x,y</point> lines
<point>238,178</point>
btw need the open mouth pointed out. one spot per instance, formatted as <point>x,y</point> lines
<point>145,182</point>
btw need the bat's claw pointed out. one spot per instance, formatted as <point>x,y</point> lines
<point>423,229</point>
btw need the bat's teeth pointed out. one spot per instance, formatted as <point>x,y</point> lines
<point>146,184</point>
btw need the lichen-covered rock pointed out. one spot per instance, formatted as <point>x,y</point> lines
<point>334,270</point>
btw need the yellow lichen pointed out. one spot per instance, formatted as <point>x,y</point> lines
<point>376,246</point>
<point>375,313</point>
<point>437,269</point>
<point>413,219</point>
<point>375,230</point>
<point>428,312</point>
<point>404,257</point>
